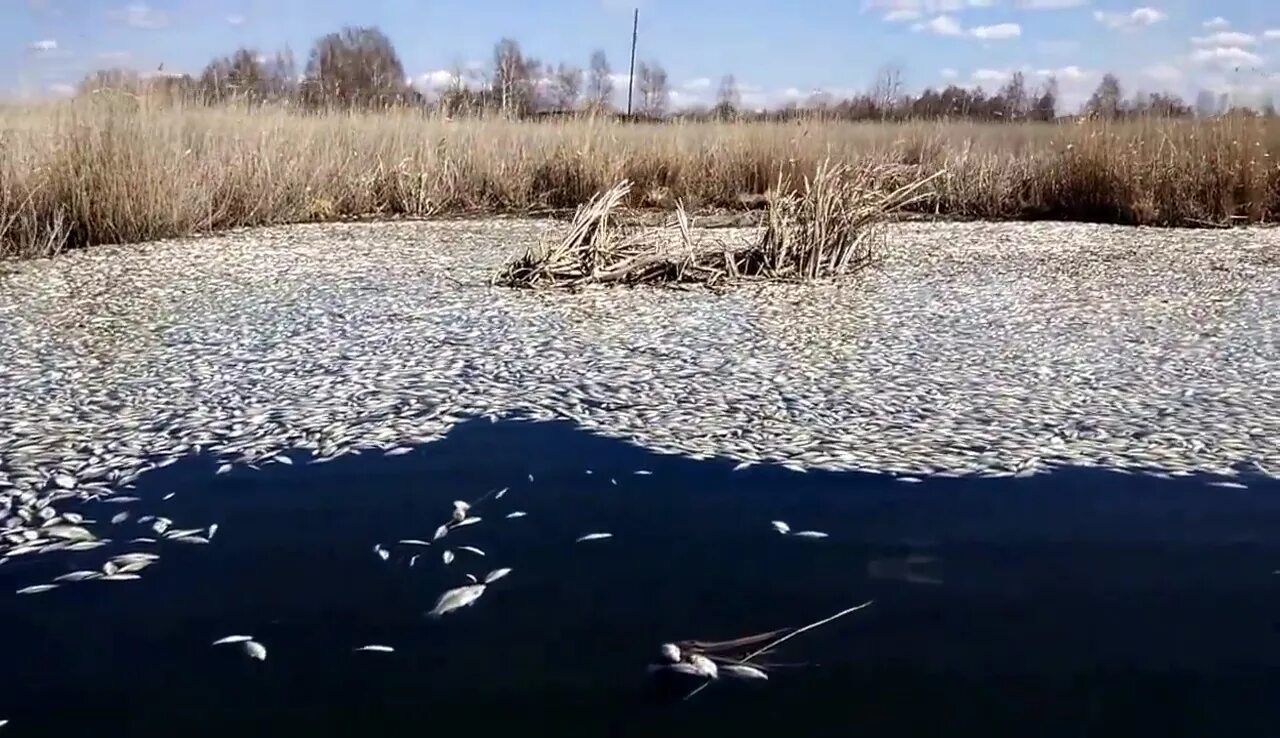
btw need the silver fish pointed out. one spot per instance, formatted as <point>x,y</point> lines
<point>375,648</point>
<point>232,639</point>
<point>447,557</point>
<point>704,666</point>
<point>742,671</point>
<point>809,534</point>
<point>457,598</point>
<point>670,652</point>
<point>781,527</point>
<point>465,523</point>
<point>496,574</point>
<point>255,650</point>
<point>37,589</point>
<point>471,549</point>
<point>441,532</point>
<point>594,537</point>
<point>516,514</point>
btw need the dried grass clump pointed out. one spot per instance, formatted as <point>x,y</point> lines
<point>826,228</point>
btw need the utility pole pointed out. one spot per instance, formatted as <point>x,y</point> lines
<point>631,75</point>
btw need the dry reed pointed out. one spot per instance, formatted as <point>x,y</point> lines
<point>116,169</point>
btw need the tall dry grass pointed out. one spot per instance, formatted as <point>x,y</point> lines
<point>118,169</point>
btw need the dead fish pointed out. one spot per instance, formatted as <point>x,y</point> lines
<point>1229,485</point>
<point>69,533</point>
<point>160,525</point>
<point>65,481</point>
<point>781,527</point>
<point>679,668</point>
<point>909,480</point>
<point>465,523</point>
<point>670,652</point>
<point>37,589</point>
<point>121,500</point>
<point>232,639</point>
<point>704,666</point>
<point>73,518</point>
<point>398,451</point>
<point>413,559</point>
<point>134,567</point>
<point>142,540</point>
<point>413,542</point>
<point>375,648</point>
<point>77,576</point>
<point>594,537</point>
<point>441,532</point>
<point>530,477</point>
<point>191,539</point>
<point>471,549</point>
<point>456,598</point>
<point>213,529</point>
<point>458,515</point>
<point>223,469</point>
<point>472,577</point>
<point>282,460</point>
<point>496,574</point>
<point>809,534</point>
<point>168,497</point>
<point>516,514</point>
<point>500,493</point>
<point>255,650</point>
<point>460,505</point>
<point>742,671</point>
<point>743,465</point>
<point>642,472</point>
<point>382,553</point>
<point>119,518</point>
<point>183,533</point>
<point>129,558</point>
<point>86,545</point>
<point>613,481</point>
<point>119,577</point>
<point>447,557</point>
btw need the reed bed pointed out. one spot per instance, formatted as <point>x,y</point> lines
<point>827,228</point>
<point>110,170</point>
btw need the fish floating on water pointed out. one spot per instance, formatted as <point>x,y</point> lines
<point>516,514</point>
<point>456,598</point>
<point>594,537</point>
<point>37,589</point>
<point>809,534</point>
<point>781,527</point>
<point>232,639</point>
<point>255,650</point>
<point>375,648</point>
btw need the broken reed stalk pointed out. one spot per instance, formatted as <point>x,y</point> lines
<point>774,644</point>
<point>826,229</point>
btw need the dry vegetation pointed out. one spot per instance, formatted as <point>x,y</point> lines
<point>115,169</point>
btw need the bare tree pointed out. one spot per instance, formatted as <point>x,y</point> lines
<point>514,78</point>
<point>599,82</point>
<point>887,88</point>
<point>728,100</point>
<point>655,94</point>
<point>1206,105</point>
<point>1105,101</point>
<point>1013,97</point>
<point>566,86</point>
<point>1045,106</point>
<point>355,67</point>
<point>240,76</point>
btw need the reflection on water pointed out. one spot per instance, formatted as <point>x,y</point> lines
<point>1078,603</point>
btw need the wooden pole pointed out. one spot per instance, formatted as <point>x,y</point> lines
<point>631,75</point>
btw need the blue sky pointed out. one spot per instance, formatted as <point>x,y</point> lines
<point>777,50</point>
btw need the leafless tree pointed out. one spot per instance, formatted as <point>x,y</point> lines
<point>356,67</point>
<point>655,93</point>
<point>599,82</point>
<point>887,88</point>
<point>566,86</point>
<point>728,99</point>
<point>1105,100</point>
<point>514,78</point>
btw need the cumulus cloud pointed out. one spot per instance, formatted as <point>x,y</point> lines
<point>901,16</point>
<point>1163,73</point>
<point>1227,56</point>
<point>1049,4</point>
<point>949,73</point>
<point>991,76</point>
<point>1225,38</point>
<point>141,15</point>
<point>1136,18</point>
<point>1271,34</point>
<point>943,25</point>
<point>998,32</point>
<point>236,19</point>
<point>1216,23</point>
<point>43,46</point>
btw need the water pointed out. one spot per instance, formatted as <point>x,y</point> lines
<point>1078,603</point>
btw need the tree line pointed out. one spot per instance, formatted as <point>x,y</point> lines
<point>358,68</point>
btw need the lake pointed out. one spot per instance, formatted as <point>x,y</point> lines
<point>1079,602</point>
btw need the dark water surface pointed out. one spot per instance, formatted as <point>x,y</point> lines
<point>1081,603</point>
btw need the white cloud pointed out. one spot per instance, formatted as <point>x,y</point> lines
<point>1227,56</point>
<point>949,73</point>
<point>1163,73</point>
<point>141,15</point>
<point>236,19</point>
<point>943,25</point>
<point>1217,23</point>
<point>114,57</point>
<point>991,76</point>
<point>901,16</point>
<point>998,32</point>
<point>1271,34</point>
<point>1225,38</point>
<point>62,89</point>
<point>1065,75</point>
<point>698,84</point>
<point>1049,4</point>
<point>1135,18</point>
<point>43,46</point>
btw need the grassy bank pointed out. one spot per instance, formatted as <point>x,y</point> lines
<point>102,171</point>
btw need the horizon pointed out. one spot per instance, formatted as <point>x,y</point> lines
<point>778,54</point>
